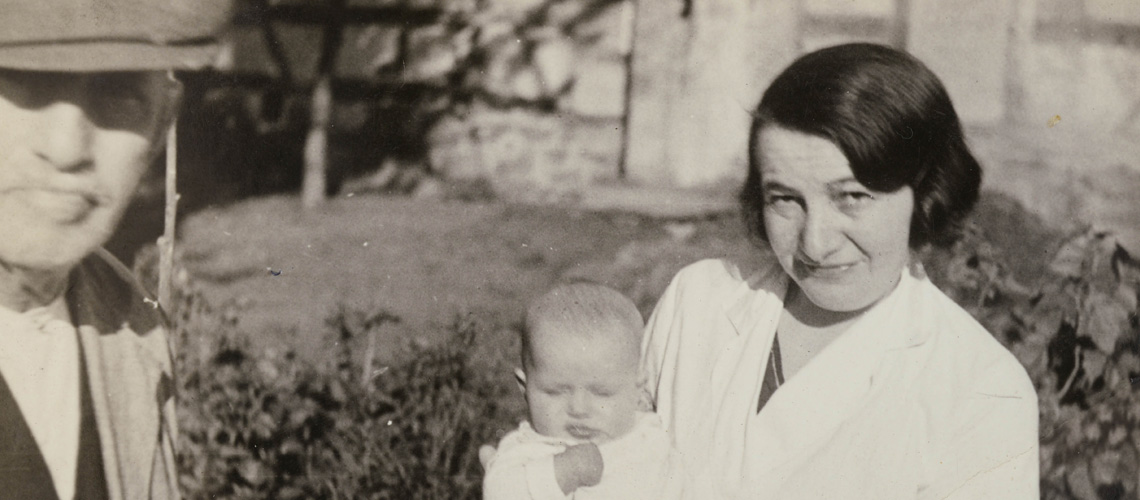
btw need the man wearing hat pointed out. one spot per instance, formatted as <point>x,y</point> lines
<point>86,96</point>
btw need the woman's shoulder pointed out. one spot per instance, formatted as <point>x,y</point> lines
<point>961,347</point>
<point>725,273</point>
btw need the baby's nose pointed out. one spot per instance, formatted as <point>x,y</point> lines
<point>579,404</point>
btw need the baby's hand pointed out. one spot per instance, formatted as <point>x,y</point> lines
<point>580,465</point>
<point>485,453</point>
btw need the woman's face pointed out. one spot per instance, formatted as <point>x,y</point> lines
<point>843,244</point>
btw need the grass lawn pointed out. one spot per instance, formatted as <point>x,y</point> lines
<point>282,271</point>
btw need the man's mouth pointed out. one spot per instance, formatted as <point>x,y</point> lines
<point>61,204</point>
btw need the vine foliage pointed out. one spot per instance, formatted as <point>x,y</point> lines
<point>1076,332</point>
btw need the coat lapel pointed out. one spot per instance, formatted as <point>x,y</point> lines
<point>738,372</point>
<point>128,369</point>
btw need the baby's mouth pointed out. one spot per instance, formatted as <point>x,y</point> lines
<point>581,431</point>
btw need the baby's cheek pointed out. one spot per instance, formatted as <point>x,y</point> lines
<point>624,412</point>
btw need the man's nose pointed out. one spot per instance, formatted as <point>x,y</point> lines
<point>65,135</point>
<point>820,235</point>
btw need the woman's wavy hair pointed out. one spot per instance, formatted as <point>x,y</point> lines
<point>893,120</point>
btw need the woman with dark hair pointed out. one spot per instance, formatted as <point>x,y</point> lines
<point>834,368</point>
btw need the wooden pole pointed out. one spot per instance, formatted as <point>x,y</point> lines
<point>166,241</point>
<point>628,24</point>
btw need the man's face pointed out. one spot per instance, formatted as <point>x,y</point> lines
<point>73,147</point>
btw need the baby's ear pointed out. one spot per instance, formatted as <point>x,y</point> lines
<point>520,378</point>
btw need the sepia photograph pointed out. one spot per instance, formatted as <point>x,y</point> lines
<point>569,249</point>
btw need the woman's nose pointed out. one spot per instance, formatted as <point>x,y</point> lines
<point>65,136</point>
<point>820,235</point>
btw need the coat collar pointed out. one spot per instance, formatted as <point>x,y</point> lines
<point>745,308</point>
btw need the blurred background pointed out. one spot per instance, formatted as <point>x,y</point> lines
<point>543,100</point>
<point>371,190</point>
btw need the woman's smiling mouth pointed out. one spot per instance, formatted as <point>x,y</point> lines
<point>825,271</point>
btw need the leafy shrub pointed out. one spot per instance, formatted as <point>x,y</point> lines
<point>1077,334</point>
<point>269,425</point>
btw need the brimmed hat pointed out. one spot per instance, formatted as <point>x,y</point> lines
<point>110,35</point>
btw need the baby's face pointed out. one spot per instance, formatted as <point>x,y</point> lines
<point>582,387</point>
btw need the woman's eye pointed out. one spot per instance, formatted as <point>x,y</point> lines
<point>854,199</point>
<point>780,199</point>
<point>783,204</point>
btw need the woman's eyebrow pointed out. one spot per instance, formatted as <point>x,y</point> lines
<point>844,182</point>
<point>776,186</point>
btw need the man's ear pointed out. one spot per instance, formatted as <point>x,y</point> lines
<point>520,378</point>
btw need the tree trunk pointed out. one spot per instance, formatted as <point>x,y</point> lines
<point>313,184</point>
<point>1017,61</point>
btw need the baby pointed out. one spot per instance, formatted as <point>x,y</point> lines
<point>589,434</point>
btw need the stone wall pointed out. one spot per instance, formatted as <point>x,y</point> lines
<point>696,76</point>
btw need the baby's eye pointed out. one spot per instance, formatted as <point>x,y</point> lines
<point>552,391</point>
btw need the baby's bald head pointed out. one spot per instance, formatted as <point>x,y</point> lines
<point>582,312</point>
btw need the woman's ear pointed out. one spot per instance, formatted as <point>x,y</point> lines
<point>915,267</point>
<point>520,378</point>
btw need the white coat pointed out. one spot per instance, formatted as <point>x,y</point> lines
<point>915,400</point>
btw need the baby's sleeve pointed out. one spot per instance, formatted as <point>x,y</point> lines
<point>522,470</point>
<point>639,465</point>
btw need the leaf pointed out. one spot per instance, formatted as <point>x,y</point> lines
<point>1093,363</point>
<point>1117,434</point>
<point>1126,268</point>
<point>290,493</point>
<point>1105,320</point>
<point>1070,258</point>
<point>252,472</point>
<point>1080,482</point>
<point>1103,467</point>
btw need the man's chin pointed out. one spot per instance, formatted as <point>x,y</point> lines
<point>49,252</point>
